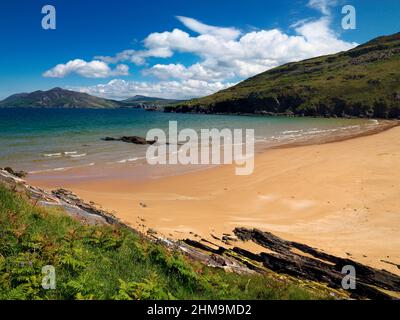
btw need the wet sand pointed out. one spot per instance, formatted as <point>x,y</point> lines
<point>342,197</point>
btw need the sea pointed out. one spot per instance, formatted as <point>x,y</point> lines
<point>46,140</point>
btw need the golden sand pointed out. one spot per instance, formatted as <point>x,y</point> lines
<point>341,197</point>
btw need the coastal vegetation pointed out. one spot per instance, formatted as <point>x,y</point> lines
<point>144,101</point>
<point>362,82</point>
<point>109,262</point>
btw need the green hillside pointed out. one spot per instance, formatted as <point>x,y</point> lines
<point>144,100</point>
<point>58,98</point>
<point>363,82</point>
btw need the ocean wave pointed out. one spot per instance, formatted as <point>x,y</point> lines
<point>52,155</point>
<point>77,155</point>
<point>130,160</point>
<point>70,154</point>
<point>291,131</point>
<point>61,168</point>
<point>50,170</point>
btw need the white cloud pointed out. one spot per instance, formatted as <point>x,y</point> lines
<point>92,69</point>
<point>198,71</point>
<point>322,5</point>
<point>138,57</point>
<point>121,89</point>
<point>224,54</point>
<point>251,53</point>
<point>201,28</point>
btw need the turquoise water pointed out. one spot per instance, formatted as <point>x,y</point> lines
<point>57,139</point>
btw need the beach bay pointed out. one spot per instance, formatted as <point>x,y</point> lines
<point>341,197</point>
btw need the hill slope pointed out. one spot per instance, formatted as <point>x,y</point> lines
<point>144,100</point>
<point>362,82</point>
<point>58,98</point>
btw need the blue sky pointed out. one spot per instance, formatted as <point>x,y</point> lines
<point>176,48</point>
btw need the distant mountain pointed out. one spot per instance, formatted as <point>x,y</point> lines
<point>362,82</point>
<point>58,98</point>
<point>144,100</point>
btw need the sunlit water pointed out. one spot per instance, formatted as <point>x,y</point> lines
<point>39,140</point>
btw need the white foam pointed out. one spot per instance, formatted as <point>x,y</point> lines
<point>129,160</point>
<point>50,170</point>
<point>61,168</point>
<point>291,131</point>
<point>58,154</point>
<point>77,155</point>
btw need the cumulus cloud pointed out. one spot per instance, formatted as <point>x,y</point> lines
<point>92,69</point>
<point>121,89</point>
<point>138,57</point>
<point>224,55</point>
<point>198,71</point>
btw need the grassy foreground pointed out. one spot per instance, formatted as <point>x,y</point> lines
<point>103,262</point>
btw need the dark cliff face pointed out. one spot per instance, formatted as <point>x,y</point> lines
<point>58,98</point>
<point>363,82</point>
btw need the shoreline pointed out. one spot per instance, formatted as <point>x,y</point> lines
<point>209,204</point>
<point>383,126</point>
<point>172,170</point>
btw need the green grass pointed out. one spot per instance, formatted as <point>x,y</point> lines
<point>103,262</point>
<point>363,82</point>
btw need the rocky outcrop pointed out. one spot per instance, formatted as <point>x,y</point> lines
<point>300,260</point>
<point>46,199</point>
<point>73,200</point>
<point>131,139</point>
<point>19,174</point>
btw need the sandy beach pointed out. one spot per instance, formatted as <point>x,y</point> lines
<point>341,197</point>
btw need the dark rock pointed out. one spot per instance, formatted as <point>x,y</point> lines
<point>318,266</point>
<point>19,174</point>
<point>218,259</point>
<point>137,140</point>
<point>228,239</point>
<point>72,199</point>
<point>203,247</point>
<point>215,237</point>
<point>391,263</point>
<point>151,232</point>
<point>131,139</point>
